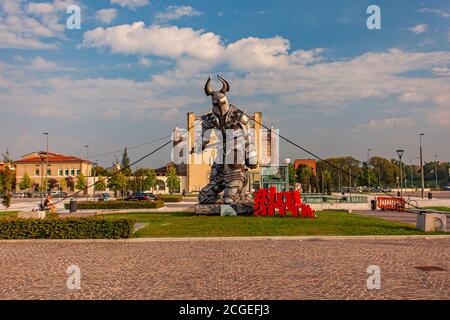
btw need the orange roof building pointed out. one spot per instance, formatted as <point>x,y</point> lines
<point>308,162</point>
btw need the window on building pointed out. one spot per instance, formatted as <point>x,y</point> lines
<point>60,172</point>
<point>66,172</point>
<point>36,173</point>
<point>72,172</point>
<point>78,172</point>
<point>49,172</point>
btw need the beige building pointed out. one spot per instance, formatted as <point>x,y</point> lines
<point>56,167</point>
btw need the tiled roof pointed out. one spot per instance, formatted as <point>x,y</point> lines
<point>52,157</point>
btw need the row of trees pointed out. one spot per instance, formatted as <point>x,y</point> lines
<point>380,172</point>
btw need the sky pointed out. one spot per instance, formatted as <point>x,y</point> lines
<point>134,69</point>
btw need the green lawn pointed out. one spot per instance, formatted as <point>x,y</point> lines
<point>184,224</point>
<point>8,213</point>
<point>446,209</point>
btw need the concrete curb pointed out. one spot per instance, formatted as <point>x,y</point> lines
<point>262,238</point>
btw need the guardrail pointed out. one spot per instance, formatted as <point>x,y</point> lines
<point>322,198</point>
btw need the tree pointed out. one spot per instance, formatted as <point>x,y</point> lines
<point>7,185</point>
<point>291,170</point>
<point>62,184</point>
<point>70,183</point>
<point>305,176</point>
<point>101,184</point>
<point>150,179</point>
<point>102,171</point>
<point>173,181</point>
<point>126,170</point>
<point>117,183</point>
<point>25,182</point>
<point>52,183</point>
<point>81,182</point>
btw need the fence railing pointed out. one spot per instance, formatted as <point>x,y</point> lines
<point>323,198</point>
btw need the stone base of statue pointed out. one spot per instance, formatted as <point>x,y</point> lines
<point>236,209</point>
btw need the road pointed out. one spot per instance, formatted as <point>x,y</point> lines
<point>285,268</point>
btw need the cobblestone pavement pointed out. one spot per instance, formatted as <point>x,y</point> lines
<point>312,268</point>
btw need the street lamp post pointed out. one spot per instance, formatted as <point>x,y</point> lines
<point>422,174</point>
<point>368,169</point>
<point>87,178</point>
<point>436,170</point>
<point>42,156</point>
<point>95,175</point>
<point>400,155</point>
<point>46,164</point>
<point>412,171</point>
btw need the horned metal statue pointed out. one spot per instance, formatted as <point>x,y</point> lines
<point>229,177</point>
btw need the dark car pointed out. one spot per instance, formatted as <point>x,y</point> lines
<point>141,196</point>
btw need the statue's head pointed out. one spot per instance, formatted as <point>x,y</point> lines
<point>219,99</point>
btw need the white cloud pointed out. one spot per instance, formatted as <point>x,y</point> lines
<point>39,63</point>
<point>176,12</point>
<point>388,123</point>
<point>418,29</point>
<point>172,42</point>
<point>106,15</point>
<point>198,48</point>
<point>439,12</point>
<point>26,26</point>
<point>130,4</point>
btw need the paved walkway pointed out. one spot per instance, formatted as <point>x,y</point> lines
<point>284,268</point>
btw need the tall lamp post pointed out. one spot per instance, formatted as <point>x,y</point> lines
<point>368,169</point>
<point>46,163</point>
<point>87,159</point>
<point>400,155</point>
<point>412,171</point>
<point>436,170</point>
<point>422,174</point>
<point>95,175</point>
<point>42,156</point>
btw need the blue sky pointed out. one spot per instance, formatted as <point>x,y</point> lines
<point>135,67</point>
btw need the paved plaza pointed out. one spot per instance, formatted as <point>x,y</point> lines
<point>265,268</point>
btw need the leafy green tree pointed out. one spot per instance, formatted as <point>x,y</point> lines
<point>173,181</point>
<point>117,183</point>
<point>81,182</point>
<point>100,184</point>
<point>52,183</point>
<point>150,179</point>
<point>25,182</point>
<point>62,184</point>
<point>6,200</point>
<point>305,176</point>
<point>126,170</point>
<point>291,170</point>
<point>70,183</point>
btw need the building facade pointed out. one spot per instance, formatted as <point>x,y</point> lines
<point>57,167</point>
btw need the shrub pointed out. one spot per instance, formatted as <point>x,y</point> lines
<point>66,228</point>
<point>120,204</point>
<point>6,201</point>
<point>170,197</point>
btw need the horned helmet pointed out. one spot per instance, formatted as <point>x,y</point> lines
<point>219,98</point>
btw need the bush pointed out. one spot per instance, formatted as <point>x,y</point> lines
<point>170,197</point>
<point>6,200</point>
<point>120,204</point>
<point>66,228</point>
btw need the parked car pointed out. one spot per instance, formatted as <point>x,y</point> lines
<point>140,196</point>
<point>447,188</point>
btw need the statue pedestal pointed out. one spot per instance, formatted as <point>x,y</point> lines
<point>236,209</point>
